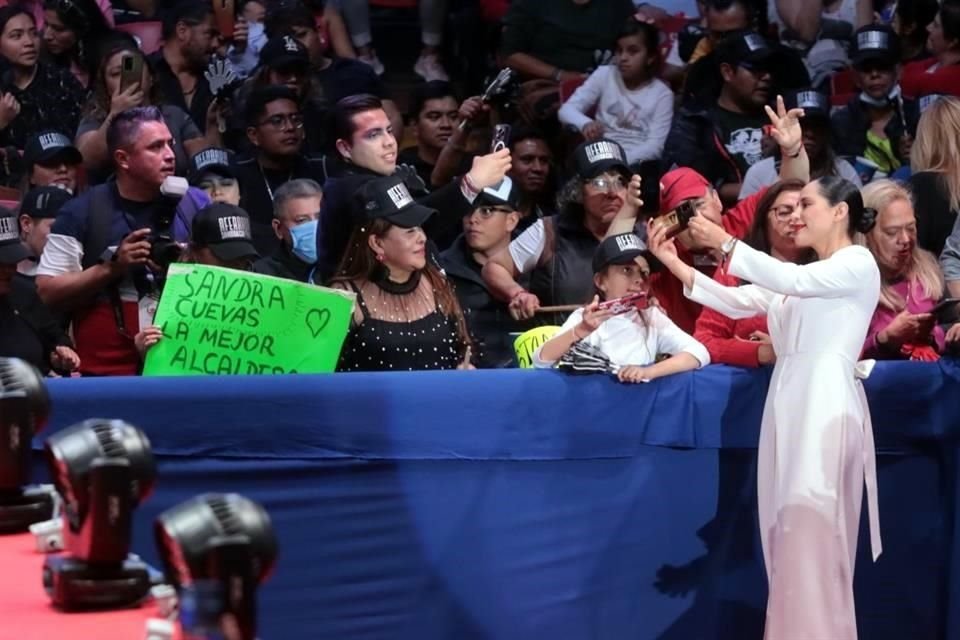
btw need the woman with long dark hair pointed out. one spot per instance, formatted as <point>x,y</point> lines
<point>407,317</point>
<point>746,342</point>
<point>72,34</point>
<point>36,96</point>
<point>816,439</point>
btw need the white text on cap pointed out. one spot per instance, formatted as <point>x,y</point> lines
<point>603,150</point>
<point>400,196</point>
<point>211,157</point>
<point>872,40</point>
<point>628,241</point>
<point>9,229</point>
<point>53,141</point>
<point>232,227</point>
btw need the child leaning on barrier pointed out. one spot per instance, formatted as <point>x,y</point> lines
<point>621,325</point>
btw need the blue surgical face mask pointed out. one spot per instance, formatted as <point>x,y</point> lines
<point>304,238</point>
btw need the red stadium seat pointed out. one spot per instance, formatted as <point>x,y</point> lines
<point>148,34</point>
<point>567,87</point>
<point>10,204</point>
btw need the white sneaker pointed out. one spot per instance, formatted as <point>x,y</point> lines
<point>373,61</point>
<point>429,68</point>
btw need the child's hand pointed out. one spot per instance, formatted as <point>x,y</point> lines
<point>592,131</point>
<point>633,374</point>
<point>148,337</point>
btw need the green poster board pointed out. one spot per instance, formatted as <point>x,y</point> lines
<point>226,322</point>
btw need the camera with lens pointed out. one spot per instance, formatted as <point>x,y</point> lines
<point>164,250</point>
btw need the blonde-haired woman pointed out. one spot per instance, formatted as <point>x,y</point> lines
<point>911,282</point>
<point>935,183</point>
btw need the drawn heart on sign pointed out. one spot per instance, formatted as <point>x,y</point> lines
<point>317,320</point>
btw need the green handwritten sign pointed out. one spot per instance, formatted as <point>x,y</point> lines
<point>226,322</point>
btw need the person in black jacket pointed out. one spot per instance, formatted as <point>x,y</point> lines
<point>28,330</point>
<point>275,129</point>
<point>365,141</point>
<point>721,140</point>
<point>487,230</point>
<point>874,124</point>
<point>296,209</point>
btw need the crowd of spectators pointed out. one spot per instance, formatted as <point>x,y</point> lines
<point>343,148</point>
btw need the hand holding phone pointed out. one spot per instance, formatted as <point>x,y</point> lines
<point>946,311</point>
<point>630,302</point>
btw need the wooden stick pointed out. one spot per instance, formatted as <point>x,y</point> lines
<point>562,308</point>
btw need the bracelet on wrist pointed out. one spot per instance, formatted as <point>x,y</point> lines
<point>575,336</point>
<point>796,154</point>
<point>556,75</point>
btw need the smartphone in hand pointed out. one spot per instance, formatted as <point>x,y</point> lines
<point>131,71</point>
<point>946,311</point>
<point>634,301</point>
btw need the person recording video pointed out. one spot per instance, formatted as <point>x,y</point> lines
<point>102,256</point>
<point>631,339</point>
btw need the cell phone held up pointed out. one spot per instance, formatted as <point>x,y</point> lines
<point>131,71</point>
<point>501,138</point>
<point>947,311</point>
<point>634,301</point>
<point>678,219</point>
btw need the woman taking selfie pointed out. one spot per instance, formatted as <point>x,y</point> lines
<point>407,317</point>
<point>816,439</point>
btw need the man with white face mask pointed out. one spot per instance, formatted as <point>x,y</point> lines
<point>296,208</point>
<point>875,123</point>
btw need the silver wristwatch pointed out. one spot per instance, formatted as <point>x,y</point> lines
<point>727,247</point>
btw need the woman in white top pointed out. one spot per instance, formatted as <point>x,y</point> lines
<point>629,104</point>
<point>816,440</point>
<point>631,340</point>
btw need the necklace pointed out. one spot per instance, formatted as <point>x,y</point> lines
<point>382,280</point>
<point>266,182</point>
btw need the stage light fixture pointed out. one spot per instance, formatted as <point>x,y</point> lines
<point>216,549</point>
<point>102,470</point>
<point>24,408</point>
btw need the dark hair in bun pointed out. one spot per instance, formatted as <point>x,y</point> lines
<point>837,190</point>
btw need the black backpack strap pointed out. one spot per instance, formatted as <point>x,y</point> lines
<point>96,237</point>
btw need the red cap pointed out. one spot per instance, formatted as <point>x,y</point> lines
<point>679,185</point>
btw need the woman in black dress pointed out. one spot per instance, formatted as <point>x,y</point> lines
<point>407,317</point>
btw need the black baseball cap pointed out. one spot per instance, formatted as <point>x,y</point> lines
<point>12,250</point>
<point>44,202</point>
<point>875,43</point>
<point>211,160</point>
<point>746,49</point>
<point>389,198</point>
<point>225,230</point>
<point>50,145</point>
<point>284,52</point>
<point>504,194</point>
<point>600,156</point>
<point>813,103</point>
<point>622,248</point>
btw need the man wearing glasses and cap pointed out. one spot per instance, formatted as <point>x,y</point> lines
<point>722,140</point>
<point>487,230</point>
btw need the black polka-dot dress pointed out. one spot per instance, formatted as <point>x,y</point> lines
<point>400,332</point>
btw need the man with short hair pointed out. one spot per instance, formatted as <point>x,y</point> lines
<point>190,37</point>
<point>99,260</point>
<point>296,211</point>
<point>365,142</point>
<point>336,77</point>
<point>723,139</point>
<point>275,130</point>
<point>38,210</point>
<point>487,230</point>
<point>434,115</point>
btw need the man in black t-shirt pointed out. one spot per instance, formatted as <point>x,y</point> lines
<point>723,139</point>
<point>434,116</point>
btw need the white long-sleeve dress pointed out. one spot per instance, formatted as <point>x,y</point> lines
<point>816,440</point>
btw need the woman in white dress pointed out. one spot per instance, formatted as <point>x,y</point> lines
<point>816,441</point>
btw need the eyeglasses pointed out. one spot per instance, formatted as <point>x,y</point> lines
<point>783,212</point>
<point>607,183</point>
<point>282,120</point>
<point>487,212</point>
